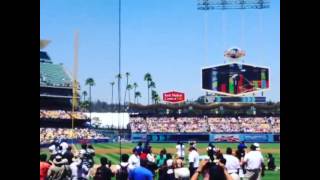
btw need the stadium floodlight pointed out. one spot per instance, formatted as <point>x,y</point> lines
<point>233,4</point>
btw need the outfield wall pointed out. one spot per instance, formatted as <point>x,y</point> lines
<point>206,137</point>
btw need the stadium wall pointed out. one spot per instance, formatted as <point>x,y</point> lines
<point>206,137</point>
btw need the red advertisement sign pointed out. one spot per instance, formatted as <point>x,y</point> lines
<point>173,97</point>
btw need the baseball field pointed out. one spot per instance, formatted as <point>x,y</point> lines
<point>111,151</point>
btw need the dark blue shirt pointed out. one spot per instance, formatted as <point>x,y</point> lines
<point>140,173</point>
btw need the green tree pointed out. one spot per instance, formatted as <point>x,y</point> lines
<point>112,84</point>
<point>135,85</point>
<point>119,76</point>
<point>148,78</point>
<point>129,87</point>
<point>90,82</point>
<point>137,94</point>
<point>125,92</point>
<point>84,94</point>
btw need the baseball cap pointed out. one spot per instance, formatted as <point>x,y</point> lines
<point>257,145</point>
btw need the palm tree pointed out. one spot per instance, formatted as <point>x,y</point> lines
<point>148,78</point>
<point>135,85</point>
<point>119,76</point>
<point>84,94</point>
<point>137,94</point>
<point>154,95</point>
<point>90,82</point>
<point>125,92</point>
<point>129,87</point>
<point>112,84</point>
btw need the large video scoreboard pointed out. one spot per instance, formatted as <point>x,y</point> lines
<point>235,79</point>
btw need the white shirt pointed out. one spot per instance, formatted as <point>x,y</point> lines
<point>151,158</point>
<point>74,169</point>
<point>64,146</point>
<point>133,161</point>
<point>181,173</point>
<point>194,157</point>
<point>253,159</point>
<point>180,150</point>
<point>232,163</point>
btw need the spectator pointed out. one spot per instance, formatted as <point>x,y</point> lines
<point>141,172</point>
<point>44,166</point>
<point>160,160</point>
<point>211,151</point>
<point>180,150</point>
<point>122,169</point>
<point>181,172</point>
<point>60,170</point>
<point>134,160</point>
<point>253,161</point>
<point>103,172</point>
<point>232,164</point>
<point>75,167</point>
<point>271,162</point>
<point>216,171</point>
<point>193,160</point>
<point>68,155</point>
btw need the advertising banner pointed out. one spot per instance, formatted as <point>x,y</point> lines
<point>173,97</point>
<point>225,138</point>
<point>255,138</point>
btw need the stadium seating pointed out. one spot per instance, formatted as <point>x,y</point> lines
<point>47,135</point>
<point>54,75</point>
<point>201,124</point>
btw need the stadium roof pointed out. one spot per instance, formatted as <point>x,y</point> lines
<point>44,43</point>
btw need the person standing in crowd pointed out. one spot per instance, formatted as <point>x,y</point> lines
<point>60,170</point>
<point>217,171</point>
<point>241,148</point>
<point>193,160</point>
<point>64,145</point>
<point>180,150</point>
<point>232,164</point>
<point>160,160</point>
<point>271,162</point>
<point>91,153</point>
<point>122,169</point>
<point>139,147</point>
<point>75,168</point>
<point>134,160</point>
<point>68,155</point>
<point>44,166</point>
<point>211,151</point>
<point>141,172</point>
<point>144,154</point>
<point>103,172</point>
<point>253,161</point>
<point>181,172</point>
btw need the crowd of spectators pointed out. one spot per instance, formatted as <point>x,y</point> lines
<point>61,114</point>
<point>206,124</point>
<point>47,135</point>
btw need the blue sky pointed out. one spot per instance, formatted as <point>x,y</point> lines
<point>163,37</point>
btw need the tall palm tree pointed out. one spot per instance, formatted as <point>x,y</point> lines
<point>125,92</point>
<point>137,94</point>
<point>90,82</point>
<point>118,76</point>
<point>154,95</point>
<point>135,85</point>
<point>84,94</point>
<point>148,78</point>
<point>112,84</point>
<point>129,87</point>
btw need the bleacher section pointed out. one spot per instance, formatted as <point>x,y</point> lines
<point>54,75</point>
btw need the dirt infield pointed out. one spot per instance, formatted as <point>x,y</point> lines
<point>169,150</point>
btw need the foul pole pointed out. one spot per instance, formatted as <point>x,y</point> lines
<point>74,80</point>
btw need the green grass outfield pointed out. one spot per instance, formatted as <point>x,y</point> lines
<point>114,157</point>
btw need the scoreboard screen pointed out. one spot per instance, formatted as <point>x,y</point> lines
<point>235,79</point>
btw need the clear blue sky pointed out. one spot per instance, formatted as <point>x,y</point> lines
<point>162,37</point>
